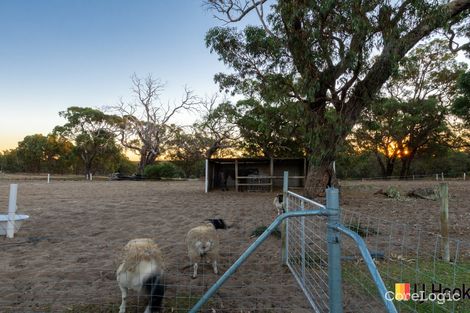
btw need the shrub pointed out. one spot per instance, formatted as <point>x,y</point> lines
<point>163,170</point>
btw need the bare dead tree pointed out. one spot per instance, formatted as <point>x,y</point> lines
<point>146,121</point>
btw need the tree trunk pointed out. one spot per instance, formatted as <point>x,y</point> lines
<point>319,178</point>
<point>147,157</point>
<point>406,166</point>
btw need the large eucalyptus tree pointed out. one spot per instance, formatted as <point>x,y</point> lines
<point>330,57</point>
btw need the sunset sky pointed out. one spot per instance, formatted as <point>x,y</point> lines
<point>55,54</point>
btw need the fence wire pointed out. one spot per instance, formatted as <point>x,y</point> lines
<point>307,251</point>
<point>259,286</point>
<point>403,254</point>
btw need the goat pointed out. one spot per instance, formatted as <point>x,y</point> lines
<point>203,242</point>
<point>278,203</point>
<point>142,267</point>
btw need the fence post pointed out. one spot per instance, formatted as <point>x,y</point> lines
<point>444,195</point>
<point>12,211</point>
<point>442,175</point>
<point>437,176</point>
<point>334,251</point>
<point>284,225</point>
<point>464,174</point>
<point>302,241</point>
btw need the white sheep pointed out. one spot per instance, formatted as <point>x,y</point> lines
<point>142,268</point>
<point>278,203</point>
<point>203,243</point>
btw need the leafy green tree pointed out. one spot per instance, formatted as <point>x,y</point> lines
<point>396,130</point>
<point>421,90</point>
<point>268,129</point>
<point>188,148</point>
<point>9,161</point>
<point>31,152</point>
<point>461,105</point>
<point>329,57</point>
<point>461,109</point>
<point>92,132</point>
<point>58,154</point>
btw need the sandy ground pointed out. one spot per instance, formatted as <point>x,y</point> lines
<point>66,254</point>
<point>64,257</point>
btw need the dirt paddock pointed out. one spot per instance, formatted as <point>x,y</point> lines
<point>64,257</point>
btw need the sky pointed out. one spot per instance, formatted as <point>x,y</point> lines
<point>55,54</point>
<point>60,53</point>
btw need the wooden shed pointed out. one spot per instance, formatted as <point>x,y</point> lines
<point>253,174</point>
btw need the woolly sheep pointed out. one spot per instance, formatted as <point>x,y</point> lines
<point>278,203</point>
<point>203,242</point>
<point>142,267</point>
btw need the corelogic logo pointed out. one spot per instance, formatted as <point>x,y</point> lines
<point>402,292</point>
<point>423,293</point>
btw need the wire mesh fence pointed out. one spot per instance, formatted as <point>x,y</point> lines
<point>259,286</point>
<point>85,281</point>
<point>404,254</point>
<point>307,254</point>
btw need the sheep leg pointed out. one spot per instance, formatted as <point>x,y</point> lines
<point>122,308</point>
<point>195,270</point>
<point>214,266</point>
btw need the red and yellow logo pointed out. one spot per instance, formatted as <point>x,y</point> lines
<point>402,291</point>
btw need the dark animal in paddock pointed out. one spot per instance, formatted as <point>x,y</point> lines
<point>218,223</point>
<point>226,173</point>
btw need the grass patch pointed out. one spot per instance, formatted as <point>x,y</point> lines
<point>260,229</point>
<point>414,272</point>
<point>361,229</point>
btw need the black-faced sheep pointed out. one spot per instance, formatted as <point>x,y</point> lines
<point>142,268</point>
<point>203,243</point>
<point>278,203</point>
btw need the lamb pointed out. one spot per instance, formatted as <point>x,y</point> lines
<point>278,203</point>
<point>142,268</point>
<point>203,242</point>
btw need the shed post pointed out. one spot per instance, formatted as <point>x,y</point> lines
<point>236,175</point>
<point>271,172</point>
<point>305,171</point>
<point>206,180</point>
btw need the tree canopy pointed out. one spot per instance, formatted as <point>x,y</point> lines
<point>330,57</point>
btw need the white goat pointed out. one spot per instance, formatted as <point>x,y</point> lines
<point>142,268</point>
<point>203,242</point>
<point>278,203</point>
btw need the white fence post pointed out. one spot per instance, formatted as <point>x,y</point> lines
<point>12,210</point>
<point>48,178</point>
<point>464,174</point>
